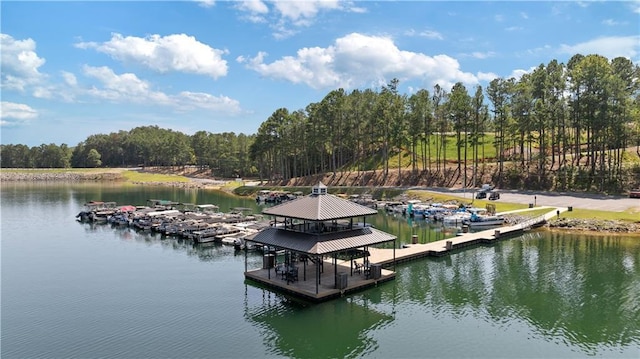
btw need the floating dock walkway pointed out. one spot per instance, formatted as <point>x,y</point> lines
<point>385,256</point>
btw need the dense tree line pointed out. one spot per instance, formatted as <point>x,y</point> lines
<point>226,154</point>
<point>563,126</point>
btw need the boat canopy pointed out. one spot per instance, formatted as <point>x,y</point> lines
<point>164,213</point>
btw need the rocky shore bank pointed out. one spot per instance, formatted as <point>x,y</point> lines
<point>50,176</point>
<point>187,185</point>
<point>595,225</point>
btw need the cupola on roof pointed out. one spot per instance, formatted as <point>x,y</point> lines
<point>319,206</point>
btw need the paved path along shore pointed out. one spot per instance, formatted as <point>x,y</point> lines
<point>556,199</point>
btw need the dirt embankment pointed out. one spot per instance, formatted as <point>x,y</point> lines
<point>187,171</point>
<point>449,178</point>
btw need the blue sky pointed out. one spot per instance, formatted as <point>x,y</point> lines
<point>73,69</point>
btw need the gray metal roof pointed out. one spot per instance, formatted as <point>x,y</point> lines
<point>323,243</point>
<point>319,207</point>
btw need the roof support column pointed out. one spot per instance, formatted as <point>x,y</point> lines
<point>245,257</point>
<point>335,270</point>
<point>317,276</point>
<point>394,254</point>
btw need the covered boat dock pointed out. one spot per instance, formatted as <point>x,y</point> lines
<point>323,252</point>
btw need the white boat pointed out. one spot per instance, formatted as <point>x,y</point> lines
<point>97,211</point>
<point>484,220</point>
<point>229,240</point>
<point>456,217</point>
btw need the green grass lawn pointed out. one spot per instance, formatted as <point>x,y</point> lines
<point>135,176</point>
<point>626,216</point>
<point>451,151</point>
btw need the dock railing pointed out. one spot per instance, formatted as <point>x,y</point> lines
<point>540,219</point>
<point>531,222</point>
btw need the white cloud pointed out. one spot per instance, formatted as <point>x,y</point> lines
<point>253,6</point>
<point>286,17</point>
<point>429,34</point>
<point>14,114</point>
<point>612,22</point>
<point>518,73</point>
<point>70,79</point>
<point>42,92</point>
<point>359,60</point>
<point>190,100</point>
<point>254,10</point>
<point>177,52</point>
<point>487,76</point>
<point>482,55</point>
<point>121,87</point>
<point>610,47</point>
<point>206,3</point>
<point>536,51</point>
<point>20,63</point>
<point>128,87</point>
<point>300,12</point>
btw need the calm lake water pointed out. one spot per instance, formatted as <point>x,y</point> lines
<point>73,290</point>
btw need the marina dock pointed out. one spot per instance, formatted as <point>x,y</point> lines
<point>352,281</point>
<point>385,256</point>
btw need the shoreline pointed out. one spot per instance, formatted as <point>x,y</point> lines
<point>107,175</point>
<point>594,226</point>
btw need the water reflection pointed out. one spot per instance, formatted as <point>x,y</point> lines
<point>585,290</point>
<point>404,227</point>
<point>573,288</point>
<point>568,293</point>
<point>206,252</point>
<point>298,331</point>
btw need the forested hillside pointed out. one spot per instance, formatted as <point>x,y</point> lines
<point>573,126</point>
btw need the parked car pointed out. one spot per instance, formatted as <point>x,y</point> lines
<point>481,195</point>
<point>493,195</point>
<point>635,193</point>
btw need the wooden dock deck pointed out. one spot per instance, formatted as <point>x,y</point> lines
<point>305,287</point>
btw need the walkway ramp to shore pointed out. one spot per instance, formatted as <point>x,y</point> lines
<point>385,256</point>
